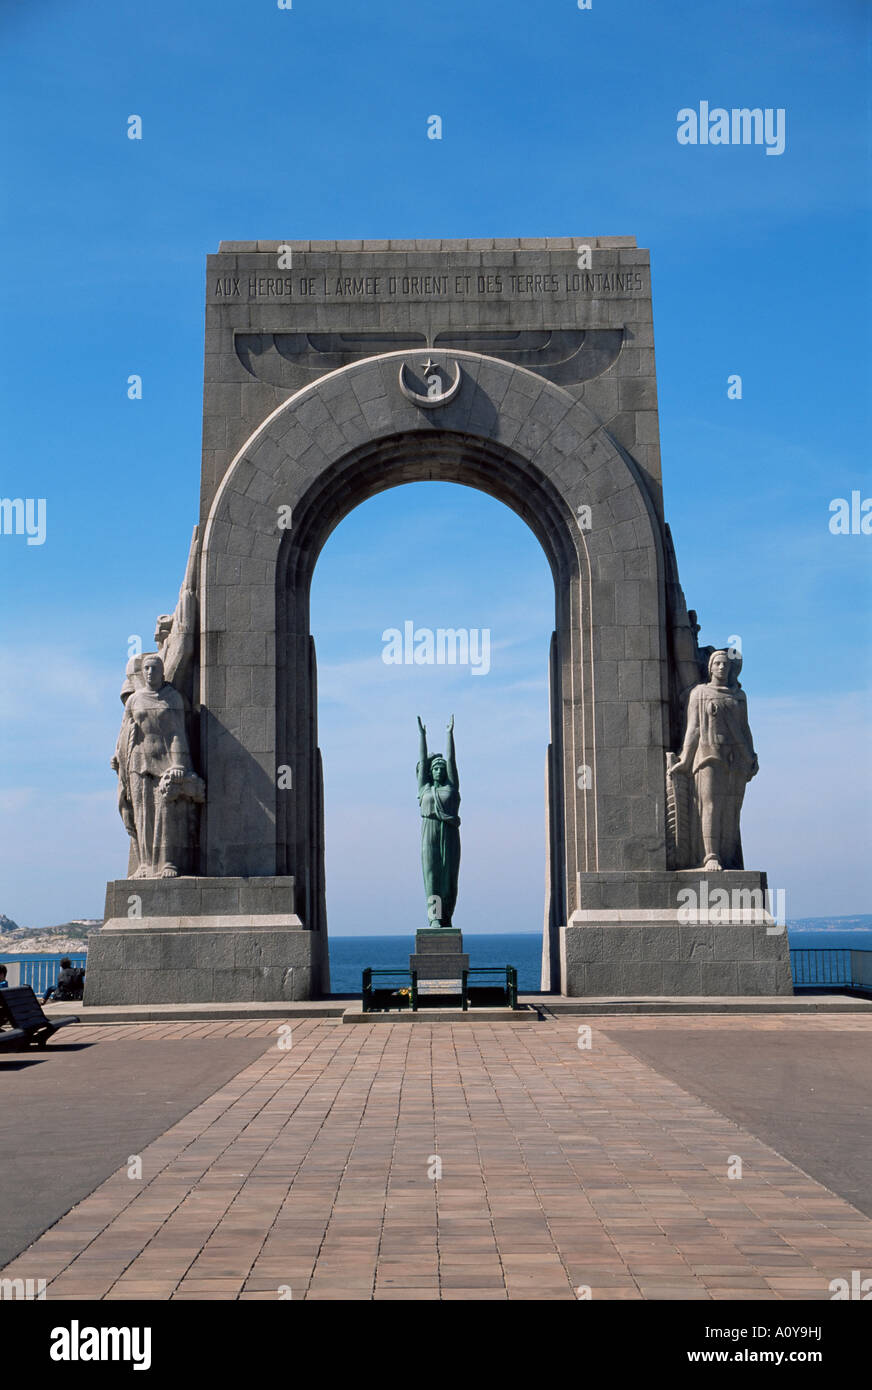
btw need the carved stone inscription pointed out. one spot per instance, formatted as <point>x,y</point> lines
<point>492,284</point>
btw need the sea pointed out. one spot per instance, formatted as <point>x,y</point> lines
<point>350,955</point>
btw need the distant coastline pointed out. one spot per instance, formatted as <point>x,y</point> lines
<point>350,955</point>
<point>835,932</point>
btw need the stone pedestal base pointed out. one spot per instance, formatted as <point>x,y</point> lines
<point>439,959</point>
<point>667,934</point>
<point>202,940</point>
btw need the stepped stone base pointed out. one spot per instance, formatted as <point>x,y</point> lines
<point>435,1015</point>
<point>438,956</point>
<point>643,935</point>
<point>202,940</point>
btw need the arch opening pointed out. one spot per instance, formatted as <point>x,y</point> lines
<point>388,463</point>
<point>423,557</point>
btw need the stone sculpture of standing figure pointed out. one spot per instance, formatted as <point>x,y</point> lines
<point>157,787</point>
<point>439,799</point>
<point>719,753</point>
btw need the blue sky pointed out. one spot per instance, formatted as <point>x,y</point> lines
<point>262,123</point>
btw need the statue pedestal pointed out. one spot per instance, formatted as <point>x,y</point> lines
<point>672,933</point>
<point>439,959</point>
<point>203,940</point>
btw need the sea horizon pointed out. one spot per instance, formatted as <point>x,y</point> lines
<point>350,955</point>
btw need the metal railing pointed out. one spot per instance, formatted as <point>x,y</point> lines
<point>830,967</point>
<point>500,991</point>
<point>376,998</point>
<point>41,971</point>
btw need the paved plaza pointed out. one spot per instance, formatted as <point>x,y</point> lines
<point>476,1161</point>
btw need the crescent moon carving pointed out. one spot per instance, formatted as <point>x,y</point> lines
<point>430,402</point>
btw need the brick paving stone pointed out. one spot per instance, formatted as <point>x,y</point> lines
<point>560,1170</point>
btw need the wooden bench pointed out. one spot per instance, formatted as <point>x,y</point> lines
<point>21,1009</point>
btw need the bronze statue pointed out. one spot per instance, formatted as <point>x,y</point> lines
<point>439,799</point>
<point>718,753</point>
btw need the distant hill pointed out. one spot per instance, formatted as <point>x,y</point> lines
<point>67,936</point>
<point>79,926</point>
<point>862,922</point>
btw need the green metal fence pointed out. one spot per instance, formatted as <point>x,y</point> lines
<point>384,990</point>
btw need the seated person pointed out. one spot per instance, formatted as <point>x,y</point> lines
<point>70,983</point>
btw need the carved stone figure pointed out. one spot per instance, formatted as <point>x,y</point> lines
<point>176,637</point>
<point>439,799</point>
<point>158,790</point>
<point>718,753</point>
<point>176,633</point>
<point>687,666</point>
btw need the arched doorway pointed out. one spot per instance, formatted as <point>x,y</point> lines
<point>531,445</point>
<point>434,599</point>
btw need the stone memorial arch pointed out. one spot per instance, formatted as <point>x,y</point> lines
<point>334,371</point>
